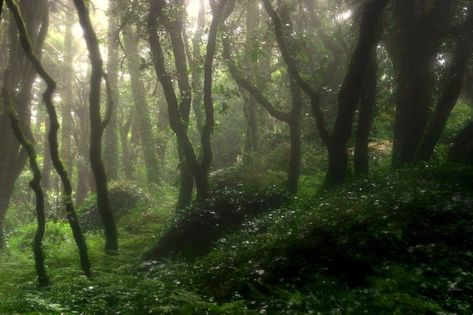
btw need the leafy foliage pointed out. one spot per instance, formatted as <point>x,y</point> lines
<point>386,245</point>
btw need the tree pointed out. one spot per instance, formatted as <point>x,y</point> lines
<point>199,169</point>
<point>35,183</point>
<point>414,45</point>
<point>97,127</point>
<point>68,93</point>
<point>147,138</point>
<point>110,152</point>
<point>292,118</point>
<point>350,90</point>
<point>13,157</point>
<point>53,142</point>
<point>450,93</point>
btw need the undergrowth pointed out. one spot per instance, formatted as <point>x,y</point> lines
<point>395,244</point>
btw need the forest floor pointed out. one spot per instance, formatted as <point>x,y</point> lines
<point>395,244</point>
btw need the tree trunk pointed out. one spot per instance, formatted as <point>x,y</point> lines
<point>53,142</point>
<point>111,152</point>
<point>292,119</point>
<point>68,95</point>
<point>196,67</point>
<point>350,92</point>
<point>35,183</point>
<point>176,120</point>
<point>462,147</point>
<point>294,156</point>
<point>176,31</point>
<point>147,138</point>
<point>97,128</point>
<point>416,47</point>
<point>450,93</point>
<point>13,160</point>
<point>365,119</point>
<point>252,132</point>
<point>349,95</point>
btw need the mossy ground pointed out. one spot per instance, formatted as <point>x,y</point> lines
<point>395,244</point>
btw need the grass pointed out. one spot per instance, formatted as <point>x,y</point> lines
<point>401,243</point>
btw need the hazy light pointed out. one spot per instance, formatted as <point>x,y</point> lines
<point>193,8</point>
<point>344,16</point>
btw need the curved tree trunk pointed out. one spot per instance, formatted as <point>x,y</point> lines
<point>417,46</point>
<point>200,170</point>
<point>97,128</point>
<point>53,139</point>
<point>292,119</point>
<point>13,160</point>
<point>349,95</point>
<point>35,183</point>
<point>450,93</point>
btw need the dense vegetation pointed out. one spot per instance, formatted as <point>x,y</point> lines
<point>236,157</point>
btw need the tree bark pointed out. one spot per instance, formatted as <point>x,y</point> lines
<point>450,93</point>
<point>417,44</point>
<point>199,170</point>
<point>365,119</point>
<point>13,160</point>
<point>68,95</point>
<point>252,132</point>
<point>462,147</point>
<point>52,137</point>
<point>292,119</point>
<point>350,91</point>
<point>97,128</point>
<point>110,150</point>
<point>35,183</point>
<point>147,138</point>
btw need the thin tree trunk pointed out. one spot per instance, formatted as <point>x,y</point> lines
<point>110,150</point>
<point>125,144</point>
<point>292,119</point>
<point>350,91</point>
<point>68,94</point>
<point>252,132</point>
<point>46,172</point>
<point>53,139</point>
<point>35,183</point>
<point>199,170</point>
<point>13,160</point>
<point>147,138</point>
<point>97,128</point>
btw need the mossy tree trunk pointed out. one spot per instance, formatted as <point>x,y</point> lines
<point>52,137</point>
<point>13,157</point>
<point>35,183</point>
<point>416,47</point>
<point>148,140</point>
<point>97,128</point>
<point>199,169</point>
<point>350,91</point>
<point>291,118</point>
<point>450,92</point>
<point>110,150</point>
